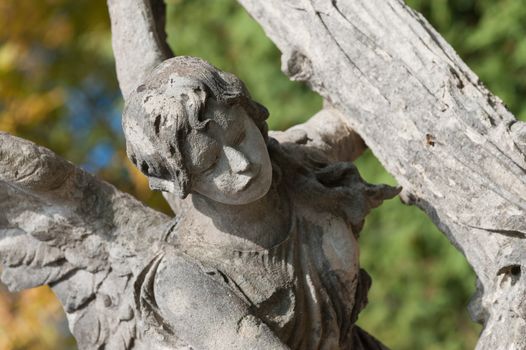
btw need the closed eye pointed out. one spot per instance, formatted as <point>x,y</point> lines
<point>211,166</point>
<point>239,138</point>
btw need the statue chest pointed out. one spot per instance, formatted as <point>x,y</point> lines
<point>304,285</point>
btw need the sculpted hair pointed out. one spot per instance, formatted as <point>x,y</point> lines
<point>171,104</point>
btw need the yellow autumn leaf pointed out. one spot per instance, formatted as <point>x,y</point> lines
<point>30,110</point>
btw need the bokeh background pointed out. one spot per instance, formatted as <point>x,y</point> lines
<point>58,88</point>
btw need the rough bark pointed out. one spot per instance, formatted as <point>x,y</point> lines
<point>94,245</point>
<point>452,145</point>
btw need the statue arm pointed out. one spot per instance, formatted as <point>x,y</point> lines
<point>62,227</point>
<point>327,133</point>
<point>47,204</point>
<point>199,304</point>
<point>138,39</point>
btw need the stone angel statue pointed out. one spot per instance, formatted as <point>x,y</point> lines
<point>261,254</point>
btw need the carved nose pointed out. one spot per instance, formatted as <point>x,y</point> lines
<point>237,161</point>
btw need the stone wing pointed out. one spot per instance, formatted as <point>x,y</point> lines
<point>62,227</point>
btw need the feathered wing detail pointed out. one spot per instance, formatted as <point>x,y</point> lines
<point>62,227</point>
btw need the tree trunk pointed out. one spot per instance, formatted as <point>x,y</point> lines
<point>452,145</point>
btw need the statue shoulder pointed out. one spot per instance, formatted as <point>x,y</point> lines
<point>182,296</point>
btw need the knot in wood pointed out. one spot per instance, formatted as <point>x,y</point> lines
<point>297,66</point>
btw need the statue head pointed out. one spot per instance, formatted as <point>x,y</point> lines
<point>193,128</point>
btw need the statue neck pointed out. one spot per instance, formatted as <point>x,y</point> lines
<point>262,223</point>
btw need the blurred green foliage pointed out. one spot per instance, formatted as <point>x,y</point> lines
<point>58,88</point>
<point>421,284</point>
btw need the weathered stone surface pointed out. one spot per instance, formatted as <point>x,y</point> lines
<point>452,145</point>
<point>62,227</point>
<point>276,224</point>
<point>267,259</point>
<point>262,272</point>
<point>138,39</point>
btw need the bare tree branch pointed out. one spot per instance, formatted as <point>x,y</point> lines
<point>452,145</point>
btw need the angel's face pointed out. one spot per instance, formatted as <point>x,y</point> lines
<point>228,161</point>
